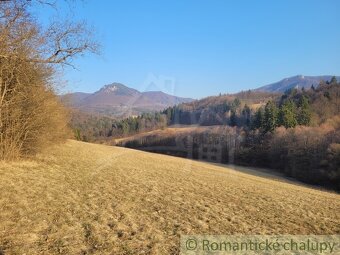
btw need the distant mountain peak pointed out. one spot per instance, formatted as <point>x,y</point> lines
<point>117,99</point>
<point>113,87</point>
<point>117,89</point>
<point>110,88</point>
<point>297,81</point>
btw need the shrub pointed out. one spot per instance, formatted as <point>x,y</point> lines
<point>31,115</point>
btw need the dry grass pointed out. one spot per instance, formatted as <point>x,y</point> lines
<point>257,106</point>
<point>170,131</point>
<point>92,199</point>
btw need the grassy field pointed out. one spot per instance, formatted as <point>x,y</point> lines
<point>169,131</point>
<point>81,198</point>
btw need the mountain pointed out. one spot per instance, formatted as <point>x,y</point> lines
<point>299,81</point>
<point>77,96</point>
<point>118,100</point>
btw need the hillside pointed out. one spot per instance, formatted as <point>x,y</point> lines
<point>119,100</point>
<point>81,198</point>
<point>214,110</point>
<point>298,81</point>
<point>168,131</point>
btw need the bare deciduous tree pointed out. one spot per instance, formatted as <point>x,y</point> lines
<point>31,115</point>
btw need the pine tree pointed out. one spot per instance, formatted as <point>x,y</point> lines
<point>258,119</point>
<point>333,80</point>
<point>77,134</point>
<point>270,117</point>
<point>287,115</point>
<point>125,127</point>
<point>236,103</point>
<point>246,112</point>
<point>304,115</point>
<point>233,119</point>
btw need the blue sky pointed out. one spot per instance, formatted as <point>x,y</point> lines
<point>201,48</point>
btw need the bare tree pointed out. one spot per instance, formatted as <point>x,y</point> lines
<point>31,116</point>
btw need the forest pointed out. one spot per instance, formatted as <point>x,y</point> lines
<point>214,110</point>
<point>297,133</point>
<point>249,110</point>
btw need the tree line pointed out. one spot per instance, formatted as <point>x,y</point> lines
<point>216,110</point>
<point>289,134</point>
<point>250,110</point>
<point>31,116</point>
<point>296,132</point>
<point>288,114</point>
<point>97,128</point>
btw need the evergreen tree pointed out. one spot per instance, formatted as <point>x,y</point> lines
<point>333,80</point>
<point>287,115</point>
<point>125,127</point>
<point>270,117</point>
<point>236,103</point>
<point>233,119</point>
<point>246,112</point>
<point>170,114</point>
<point>304,115</point>
<point>258,121</point>
<point>77,134</point>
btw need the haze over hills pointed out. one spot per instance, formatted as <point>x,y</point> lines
<point>299,81</point>
<point>119,100</point>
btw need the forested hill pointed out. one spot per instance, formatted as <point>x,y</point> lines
<point>297,133</point>
<point>298,81</point>
<point>249,109</point>
<point>218,110</point>
<point>207,111</point>
<point>254,109</point>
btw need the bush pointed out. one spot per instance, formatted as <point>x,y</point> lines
<point>31,115</point>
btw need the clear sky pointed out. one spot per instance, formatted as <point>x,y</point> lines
<point>201,48</point>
